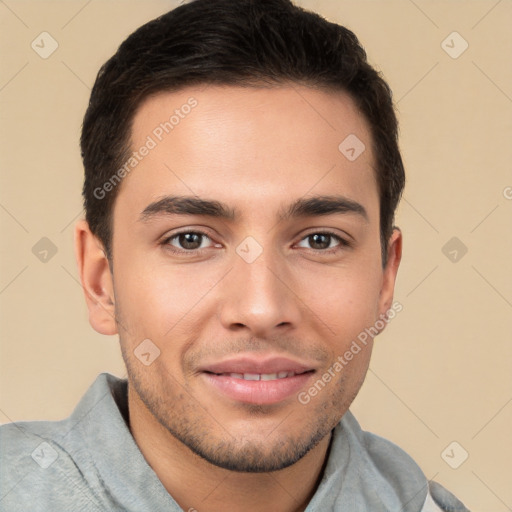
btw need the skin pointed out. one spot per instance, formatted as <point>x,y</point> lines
<point>256,150</point>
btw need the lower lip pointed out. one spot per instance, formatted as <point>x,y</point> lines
<point>258,391</point>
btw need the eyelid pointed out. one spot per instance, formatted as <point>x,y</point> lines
<point>342,242</point>
<point>343,235</point>
<point>166,241</point>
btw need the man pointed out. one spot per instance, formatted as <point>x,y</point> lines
<point>241,177</point>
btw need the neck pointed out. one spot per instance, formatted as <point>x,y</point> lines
<point>197,485</point>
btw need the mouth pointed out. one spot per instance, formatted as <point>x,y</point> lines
<point>253,381</point>
<point>259,376</point>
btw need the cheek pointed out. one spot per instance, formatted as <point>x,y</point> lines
<point>344,299</point>
<point>161,302</point>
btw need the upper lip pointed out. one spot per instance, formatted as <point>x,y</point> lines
<point>248,364</point>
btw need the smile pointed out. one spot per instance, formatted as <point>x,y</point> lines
<point>260,376</point>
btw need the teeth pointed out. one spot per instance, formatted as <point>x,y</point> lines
<point>261,376</point>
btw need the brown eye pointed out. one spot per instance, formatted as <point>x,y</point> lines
<point>188,240</point>
<point>322,241</point>
<point>319,241</point>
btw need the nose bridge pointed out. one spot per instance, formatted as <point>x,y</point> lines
<point>258,297</point>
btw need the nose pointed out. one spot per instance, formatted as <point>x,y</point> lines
<point>258,296</point>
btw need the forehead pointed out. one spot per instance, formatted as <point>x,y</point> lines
<point>237,144</point>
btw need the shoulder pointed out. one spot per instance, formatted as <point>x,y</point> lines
<point>440,499</point>
<point>386,457</point>
<point>36,472</point>
<point>46,465</point>
<point>23,444</point>
<point>391,464</point>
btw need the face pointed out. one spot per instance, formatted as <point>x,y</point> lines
<point>246,249</point>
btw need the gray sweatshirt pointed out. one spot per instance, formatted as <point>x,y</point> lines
<point>90,462</point>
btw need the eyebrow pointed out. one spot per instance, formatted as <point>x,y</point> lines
<point>303,207</point>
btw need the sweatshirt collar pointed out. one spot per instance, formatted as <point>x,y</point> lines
<point>363,471</point>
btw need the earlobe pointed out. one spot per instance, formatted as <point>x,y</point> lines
<point>96,279</point>
<point>394,255</point>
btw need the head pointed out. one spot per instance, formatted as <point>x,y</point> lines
<point>227,226</point>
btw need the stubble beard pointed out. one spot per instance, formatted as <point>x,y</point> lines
<point>192,424</point>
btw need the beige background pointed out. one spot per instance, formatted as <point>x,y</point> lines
<point>442,371</point>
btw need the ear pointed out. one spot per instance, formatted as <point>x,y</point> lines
<point>394,254</point>
<point>96,279</point>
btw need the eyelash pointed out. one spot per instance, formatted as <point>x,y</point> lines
<point>342,243</point>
